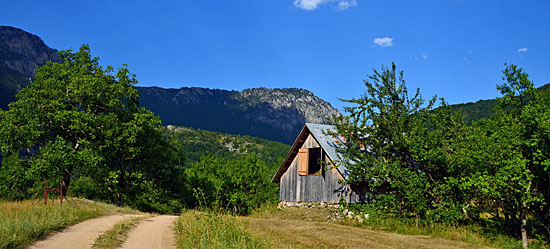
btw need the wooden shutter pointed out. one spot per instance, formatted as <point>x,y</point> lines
<point>303,161</point>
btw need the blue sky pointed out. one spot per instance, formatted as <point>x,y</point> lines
<point>453,48</point>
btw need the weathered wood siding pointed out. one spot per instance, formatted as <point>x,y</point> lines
<point>315,188</point>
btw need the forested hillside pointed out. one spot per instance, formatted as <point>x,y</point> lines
<point>195,143</point>
<point>483,108</point>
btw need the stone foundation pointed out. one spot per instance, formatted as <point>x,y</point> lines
<point>338,211</point>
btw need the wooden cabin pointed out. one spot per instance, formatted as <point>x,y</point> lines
<point>308,173</point>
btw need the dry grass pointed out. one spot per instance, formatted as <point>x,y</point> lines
<point>26,221</point>
<point>311,228</point>
<point>196,229</point>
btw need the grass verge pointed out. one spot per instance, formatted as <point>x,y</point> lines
<point>196,229</point>
<point>26,221</point>
<point>473,233</point>
<point>314,228</point>
<point>114,237</point>
<point>469,234</point>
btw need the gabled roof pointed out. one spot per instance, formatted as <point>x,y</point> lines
<point>328,143</point>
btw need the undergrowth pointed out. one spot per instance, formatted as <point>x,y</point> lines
<point>197,229</point>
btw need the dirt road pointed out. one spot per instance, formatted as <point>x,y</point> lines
<point>81,235</point>
<point>152,233</point>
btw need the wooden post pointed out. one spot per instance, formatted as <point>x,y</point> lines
<point>61,192</point>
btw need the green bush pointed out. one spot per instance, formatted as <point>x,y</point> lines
<point>235,185</point>
<point>84,187</point>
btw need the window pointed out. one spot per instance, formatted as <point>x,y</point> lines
<point>309,161</point>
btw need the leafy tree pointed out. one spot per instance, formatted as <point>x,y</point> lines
<point>404,150</point>
<point>376,132</point>
<point>79,118</point>
<point>516,174</point>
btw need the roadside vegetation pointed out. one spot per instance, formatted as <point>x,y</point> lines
<point>195,229</point>
<point>25,221</point>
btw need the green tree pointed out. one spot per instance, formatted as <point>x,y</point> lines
<point>404,150</point>
<point>79,118</point>
<point>376,133</point>
<point>516,174</point>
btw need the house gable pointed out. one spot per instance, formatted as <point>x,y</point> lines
<point>328,145</point>
<point>300,182</point>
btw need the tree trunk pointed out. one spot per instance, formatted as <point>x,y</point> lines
<point>112,194</point>
<point>67,182</point>
<point>523,218</point>
<point>121,188</point>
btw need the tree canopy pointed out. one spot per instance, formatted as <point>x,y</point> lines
<point>427,165</point>
<point>78,118</point>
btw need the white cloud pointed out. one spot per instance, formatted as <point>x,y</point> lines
<point>384,42</point>
<point>424,56</point>
<point>308,4</point>
<point>523,50</point>
<point>345,4</point>
<point>314,4</point>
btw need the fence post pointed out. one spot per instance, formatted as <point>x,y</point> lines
<point>61,192</point>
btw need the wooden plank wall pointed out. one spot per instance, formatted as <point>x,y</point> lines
<point>314,188</point>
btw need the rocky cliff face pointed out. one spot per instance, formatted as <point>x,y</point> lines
<point>274,114</point>
<point>21,53</point>
<point>303,106</point>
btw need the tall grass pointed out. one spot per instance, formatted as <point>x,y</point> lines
<point>196,229</point>
<point>25,221</point>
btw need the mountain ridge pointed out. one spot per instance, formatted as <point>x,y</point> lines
<point>21,53</point>
<point>275,114</point>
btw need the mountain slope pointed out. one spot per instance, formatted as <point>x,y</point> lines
<point>195,143</point>
<point>21,53</point>
<point>274,114</point>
